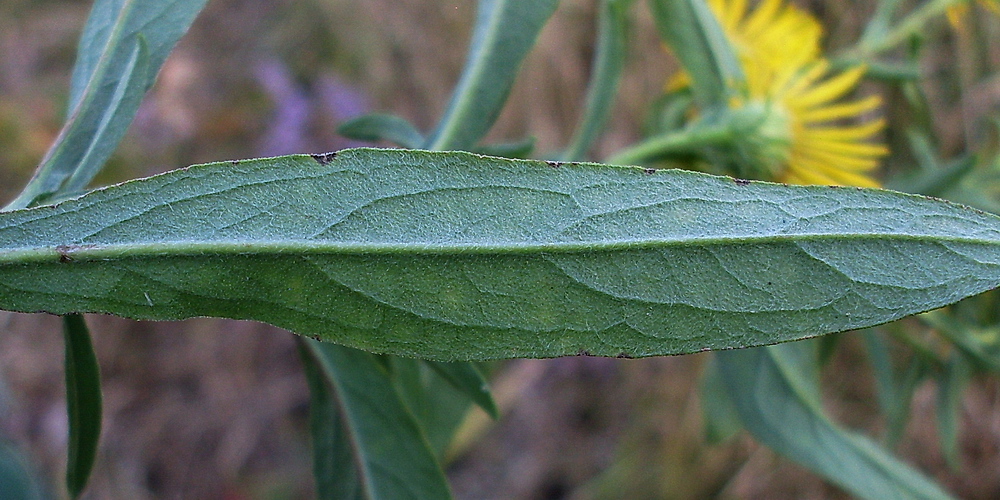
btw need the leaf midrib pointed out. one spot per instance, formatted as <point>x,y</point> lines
<point>295,247</point>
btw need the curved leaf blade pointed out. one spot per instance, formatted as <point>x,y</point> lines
<point>438,407</point>
<point>696,37</point>
<point>83,403</point>
<point>775,391</point>
<point>123,46</point>
<point>455,256</point>
<point>112,28</point>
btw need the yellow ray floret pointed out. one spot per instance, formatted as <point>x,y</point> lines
<point>820,145</point>
<point>826,141</point>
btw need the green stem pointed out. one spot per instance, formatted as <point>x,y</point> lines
<point>687,141</point>
<point>909,26</point>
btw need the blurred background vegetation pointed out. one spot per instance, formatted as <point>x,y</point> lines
<point>217,409</point>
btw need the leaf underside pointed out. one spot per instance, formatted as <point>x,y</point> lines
<point>455,256</point>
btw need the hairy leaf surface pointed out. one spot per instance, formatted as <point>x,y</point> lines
<point>455,256</point>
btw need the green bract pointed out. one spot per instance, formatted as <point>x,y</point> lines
<point>455,256</point>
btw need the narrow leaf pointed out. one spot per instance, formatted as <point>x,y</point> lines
<point>382,127</point>
<point>333,462</point>
<point>879,24</point>
<point>121,50</point>
<point>980,345</point>
<point>392,458</point>
<point>894,393</point>
<point>504,33</point>
<point>775,390</point>
<point>952,382</point>
<point>695,36</point>
<point>609,62</point>
<point>454,256</point>
<point>83,403</point>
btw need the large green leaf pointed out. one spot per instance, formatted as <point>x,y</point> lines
<point>776,393</point>
<point>121,50</point>
<point>504,33</point>
<point>372,447</point>
<point>455,256</point>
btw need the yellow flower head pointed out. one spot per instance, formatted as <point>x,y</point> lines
<point>788,120</point>
<point>815,148</point>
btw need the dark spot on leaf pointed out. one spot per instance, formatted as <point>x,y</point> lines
<point>584,352</point>
<point>64,253</point>
<point>234,162</point>
<point>742,182</point>
<point>649,170</point>
<point>624,355</point>
<point>324,158</point>
<point>554,164</point>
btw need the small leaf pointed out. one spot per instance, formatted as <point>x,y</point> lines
<point>775,391</point>
<point>382,127</point>
<point>504,33</point>
<point>391,456</point>
<point>454,256</point>
<point>83,403</point>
